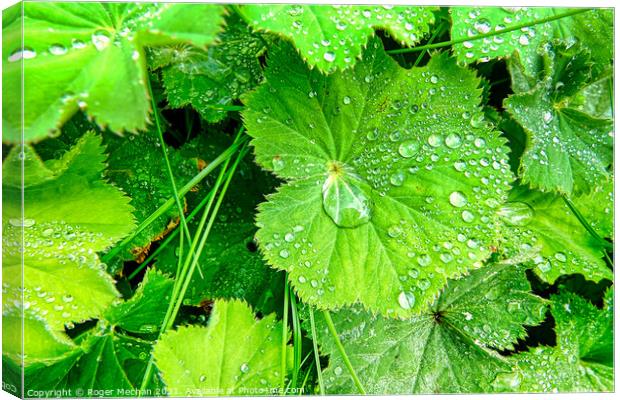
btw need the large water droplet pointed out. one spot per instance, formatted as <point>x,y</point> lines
<point>458,199</point>
<point>244,368</point>
<point>58,49</point>
<point>277,163</point>
<point>406,300</point>
<point>329,56</point>
<point>101,39</point>
<point>516,213</point>
<point>344,199</point>
<point>453,140</point>
<point>408,148</point>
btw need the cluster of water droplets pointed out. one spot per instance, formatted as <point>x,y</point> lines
<point>345,28</point>
<point>481,22</point>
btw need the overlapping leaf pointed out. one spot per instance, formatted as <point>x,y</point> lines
<point>238,355</point>
<point>567,150</point>
<point>543,226</point>
<point>468,22</point>
<point>448,348</point>
<point>332,37</point>
<point>211,79</point>
<point>70,213</point>
<point>138,167</point>
<point>393,184</point>
<point>582,360</point>
<point>90,56</point>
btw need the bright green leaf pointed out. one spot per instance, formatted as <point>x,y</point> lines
<point>582,360</point>
<point>332,37</point>
<point>145,311</point>
<point>393,182</point>
<point>447,349</point>
<point>70,214</point>
<point>211,79</point>
<point>234,355</point>
<point>567,150</point>
<point>468,22</point>
<point>90,56</point>
<point>542,226</point>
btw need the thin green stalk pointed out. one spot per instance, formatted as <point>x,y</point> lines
<point>489,34</point>
<point>317,360</point>
<point>224,107</point>
<point>180,278</point>
<point>430,41</point>
<point>284,337</point>
<point>194,259</point>
<point>164,150</point>
<point>585,223</point>
<point>343,353</point>
<point>173,235</point>
<point>223,157</point>
<point>296,338</point>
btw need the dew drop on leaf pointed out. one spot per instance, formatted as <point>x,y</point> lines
<point>245,368</point>
<point>458,199</point>
<point>57,49</point>
<point>406,300</point>
<point>408,148</point>
<point>344,200</point>
<point>453,141</point>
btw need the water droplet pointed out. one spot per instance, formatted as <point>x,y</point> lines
<point>458,199</point>
<point>424,260</point>
<point>561,257</point>
<point>58,49</point>
<point>480,143</point>
<point>373,134</point>
<point>329,56</point>
<point>406,300</point>
<point>434,140</point>
<point>344,200</point>
<point>395,231</point>
<point>467,216</point>
<point>77,44</point>
<point>202,378</point>
<point>516,213</point>
<point>277,163</point>
<point>26,53</point>
<point>338,371</point>
<point>453,141</point>
<point>424,284</point>
<point>244,368</point>
<point>408,148</point>
<point>434,79</point>
<point>398,178</point>
<point>101,39</point>
<point>346,100</point>
<point>284,253</point>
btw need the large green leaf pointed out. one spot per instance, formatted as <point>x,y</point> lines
<point>468,22</point>
<point>448,348</point>
<point>582,360</point>
<point>394,178</point>
<point>542,226</point>
<point>211,79</point>
<point>234,355</point>
<point>145,311</point>
<point>567,150</point>
<point>90,56</point>
<point>230,265</point>
<point>332,37</point>
<point>70,214</point>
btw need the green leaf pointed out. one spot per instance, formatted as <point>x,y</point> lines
<point>332,37</point>
<point>447,349</point>
<point>582,360</point>
<point>468,22</point>
<point>145,311</point>
<point>70,214</point>
<point>237,354</point>
<point>542,226</point>
<point>211,79</point>
<point>138,167</point>
<point>567,150</point>
<point>394,178</point>
<point>230,265</point>
<point>90,56</point>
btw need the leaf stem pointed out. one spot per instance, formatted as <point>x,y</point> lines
<point>343,353</point>
<point>164,150</point>
<point>224,156</point>
<point>437,32</point>
<point>296,338</point>
<point>585,223</point>
<point>317,360</point>
<point>494,33</point>
<point>284,337</point>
